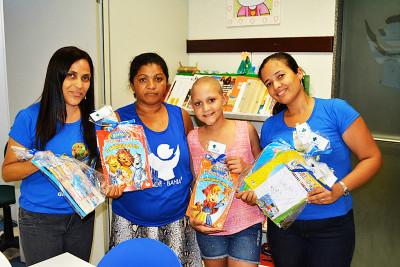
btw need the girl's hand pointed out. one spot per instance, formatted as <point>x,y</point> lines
<point>235,164</point>
<point>248,196</point>
<point>323,196</point>
<point>115,191</point>
<point>203,228</point>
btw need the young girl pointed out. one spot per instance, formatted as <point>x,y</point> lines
<point>239,243</point>
<point>323,234</point>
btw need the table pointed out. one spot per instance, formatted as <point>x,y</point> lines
<point>64,260</point>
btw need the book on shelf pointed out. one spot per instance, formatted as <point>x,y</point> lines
<point>245,94</point>
<point>213,192</point>
<point>180,90</point>
<point>254,90</point>
<point>234,95</point>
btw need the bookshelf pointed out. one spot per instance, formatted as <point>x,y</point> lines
<point>248,98</point>
<point>239,116</point>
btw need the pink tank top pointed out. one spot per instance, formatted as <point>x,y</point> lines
<point>241,215</point>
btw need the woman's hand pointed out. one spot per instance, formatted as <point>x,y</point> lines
<point>248,196</point>
<point>235,164</point>
<point>13,169</point>
<point>115,191</point>
<point>203,228</point>
<point>322,196</point>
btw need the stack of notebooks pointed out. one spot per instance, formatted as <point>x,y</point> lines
<point>246,94</point>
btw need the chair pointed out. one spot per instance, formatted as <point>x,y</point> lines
<point>143,252</point>
<point>7,197</point>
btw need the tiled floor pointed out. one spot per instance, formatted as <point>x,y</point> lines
<point>12,254</point>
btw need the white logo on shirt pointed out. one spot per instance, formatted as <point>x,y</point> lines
<point>162,163</point>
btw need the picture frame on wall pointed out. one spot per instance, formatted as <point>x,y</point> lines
<point>252,12</point>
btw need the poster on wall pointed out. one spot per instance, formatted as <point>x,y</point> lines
<point>252,12</point>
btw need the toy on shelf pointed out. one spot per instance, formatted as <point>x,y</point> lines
<point>245,66</point>
<point>187,69</point>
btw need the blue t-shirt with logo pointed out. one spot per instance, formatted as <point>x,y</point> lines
<point>330,118</point>
<point>38,194</point>
<point>170,166</point>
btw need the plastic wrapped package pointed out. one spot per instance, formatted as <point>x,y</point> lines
<point>213,192</point>
<point>124,156</point>
<point>104,116</point>
<point>281,181</point>
<point>83,187</point>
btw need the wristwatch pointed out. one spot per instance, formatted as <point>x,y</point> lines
<point>345,189</point>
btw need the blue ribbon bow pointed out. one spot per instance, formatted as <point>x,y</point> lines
<point>115,124</point>
<point>303,169</point>
<point>221,158</point>
<point>313,151</point>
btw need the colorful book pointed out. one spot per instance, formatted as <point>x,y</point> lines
<point>235,94</point>
<point>254,92</point>
<point>180,89</point>
<point>213,192</point>
<point>227,82</point>
<point>282,185</point>
<point>124,157</point>
<point>79,184</point>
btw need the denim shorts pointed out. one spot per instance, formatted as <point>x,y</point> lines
<point>242,246</point>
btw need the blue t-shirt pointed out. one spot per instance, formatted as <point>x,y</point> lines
<point>330,118</point>
<point>170,166</point>
<point>38,194</point>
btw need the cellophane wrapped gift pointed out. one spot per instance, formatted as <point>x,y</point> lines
<point>213,192</point>
<point>82,186</point>
<point>281,179</point>
<point>124,156</point>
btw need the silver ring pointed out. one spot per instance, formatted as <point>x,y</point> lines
<point>322,199</point>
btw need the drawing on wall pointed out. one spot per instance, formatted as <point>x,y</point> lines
<point>385,48</point>
<point>253,12</point>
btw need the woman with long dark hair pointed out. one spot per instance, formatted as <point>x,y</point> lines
<point>58,122</point>
<point>323,234</point>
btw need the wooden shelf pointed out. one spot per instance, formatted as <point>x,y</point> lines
<point>284,44</point>
<point>239,116</point>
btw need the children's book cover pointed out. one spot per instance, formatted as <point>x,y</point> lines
<point>124,157</point>
<point>79,187</point>
<point>234,95</point>
<point>213,193</point>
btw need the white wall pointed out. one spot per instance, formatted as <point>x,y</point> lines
<point>207,20</point>
<point>34,30</point>
<point>4,118</point>
<point>133,28</point>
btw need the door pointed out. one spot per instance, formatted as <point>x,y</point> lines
<point>370,82</point>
